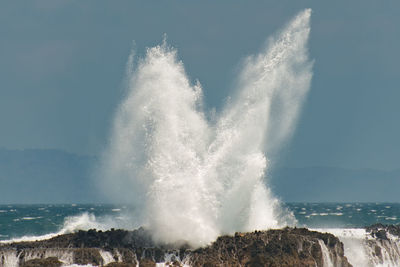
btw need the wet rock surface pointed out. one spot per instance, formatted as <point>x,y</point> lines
<point>380,231</point>
<point>46,262</point>
<point>120,248</point>
<point>286,247</point>
<point>384,248</point>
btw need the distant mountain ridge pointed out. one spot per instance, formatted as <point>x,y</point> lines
<point>54,176</point>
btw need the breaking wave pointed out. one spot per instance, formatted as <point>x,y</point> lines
<point>192,179</point>
<point>84,221</point>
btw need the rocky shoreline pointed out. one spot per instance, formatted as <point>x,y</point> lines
<point>279,247</point>
<point>283,247</point>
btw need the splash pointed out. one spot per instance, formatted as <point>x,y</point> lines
<point>84,221</point>
<point>190,179</point>
<point>363,249</point>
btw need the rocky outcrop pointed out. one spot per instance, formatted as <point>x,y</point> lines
<point>383,245</point>
<point>119,248</point>
<point>381,231</point>
<point>47,262</point>
<point>286,247</point>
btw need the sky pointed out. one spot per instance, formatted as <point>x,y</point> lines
<point>62,66</point>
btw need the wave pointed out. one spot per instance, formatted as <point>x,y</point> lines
<point>192,179</point>
<point>84,221</point>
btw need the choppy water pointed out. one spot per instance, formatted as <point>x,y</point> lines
<point>345,220</point>
<point>345,215</point>
<point>17,221</point>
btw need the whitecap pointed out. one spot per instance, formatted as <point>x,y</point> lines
<point>31,218</point>
<point>72,224</point>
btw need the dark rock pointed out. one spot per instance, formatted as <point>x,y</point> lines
<point>383,246</point>
<point>85,256</point>
<point>120,264</point>
<point>380,231</point>
<point>378,252</point>
<point>284,247</point>
<point>147,263</point>
<point>47,262</point>
<point>128,255</point>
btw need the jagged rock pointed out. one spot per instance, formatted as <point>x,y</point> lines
<point>380,231</point>
<point>128,255</point>
<point>85,256</point>
<point>384,247</point>
<point>47,262</point>
<point>287,247</point>
<point>284,247</point>
<point>147,263</point>
<point>120,264</point>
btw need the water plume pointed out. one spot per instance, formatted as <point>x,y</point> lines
<point>190,179</point>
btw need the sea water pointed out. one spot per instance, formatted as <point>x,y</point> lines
<point>345,215</point>
<point>18,221</point>
<point>344,220</point>
<point>44,220</point>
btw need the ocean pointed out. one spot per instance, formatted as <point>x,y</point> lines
<point>25,221</point>
<point>344,220</point>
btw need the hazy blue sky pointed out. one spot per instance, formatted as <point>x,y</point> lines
<point>62,66</point>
